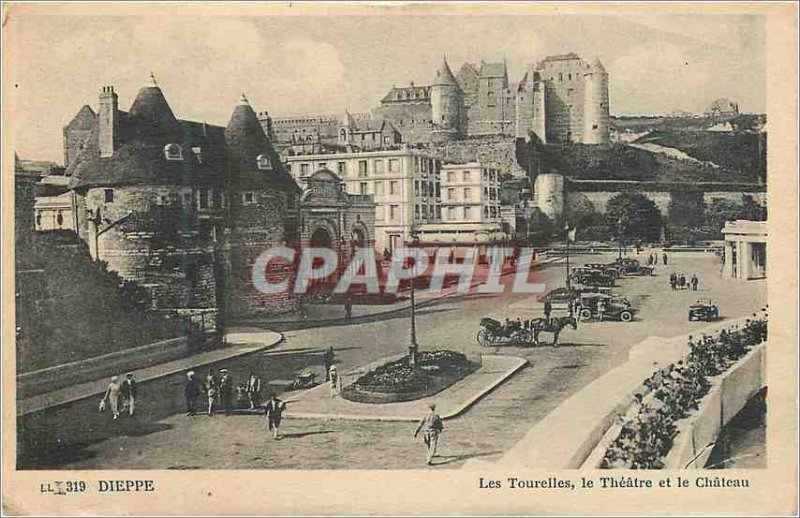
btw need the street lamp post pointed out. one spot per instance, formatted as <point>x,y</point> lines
<point>619,237</point>
<point>413,347</point>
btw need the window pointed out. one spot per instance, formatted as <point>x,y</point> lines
<point>322,165</point>
<point>362,188</point>
<point>467,213</point>
<point>60,219</point>
<point>304,169</point>
<point>560,76</point>
<point>569,77</point>
<point>451,176</point>
<point>485,192</point>
<point>394,165</point>
<point>188,199</point>
<point>216,198</point>
<point>247,198</point>
<point>424,165</point>
<point>394,212</point>
<point>173,152</point>
<point>340,168</point>
<point>451,213</point>
<point>438,190</point>
<point>465,176</point>
<point>203,202</point>
<point>264,163</point>
<point>108,196</point>
<point>416,164</point>
<point>379,167</point>
<point>424,212</point>
<point>485,175</point>
<point>174,198</point>
<point>467,194</point>
<point>424,188</point>
<point>378,188</point>
<point>416,187</point>
<point>394,187</point>
<point>451,194</point>
<point>485,212</point>
<point>416,211</point>
<point>362,168</point>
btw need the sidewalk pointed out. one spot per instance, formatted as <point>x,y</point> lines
<point>240,341</point>
<point>317,403</point>
<point>320,314</point>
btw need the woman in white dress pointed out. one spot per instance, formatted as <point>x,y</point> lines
<point>111,397</point>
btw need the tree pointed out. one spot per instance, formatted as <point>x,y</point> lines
<point>634,216</point>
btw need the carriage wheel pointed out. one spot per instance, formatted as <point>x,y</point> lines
<point>585,314</point>
<point>483,337</point>
<point>626,316</point>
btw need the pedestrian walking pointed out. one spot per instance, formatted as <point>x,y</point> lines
<point>273,411</point>
<point>111,397</point>
<point>673,281</point>
<point>548,309</point>
<point>664,258</point>
<point>681,281</point>
<point>348,309</point>
<point>253,390</point>
<point>327,362</point>
<point>191,390</point>
<point>695,281</point>
<point>212,391</point>
<point>335,380</point>
<point>430,426</point>
<point>226,390</point>
<point>128,393</point>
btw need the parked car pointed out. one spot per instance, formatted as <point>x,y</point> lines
<point>612,270</point>
<point>704,310</point>
<point>629,266</point>
<point>591,277</point>
<point>616,308</point>
<point>560,297</point>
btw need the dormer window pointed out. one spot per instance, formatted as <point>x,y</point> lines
<point>264,163</point>
<point>173,152</point>
<point>198,153</point>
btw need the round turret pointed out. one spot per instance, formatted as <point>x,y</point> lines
<point>447,101</point>
<point>596,112</point>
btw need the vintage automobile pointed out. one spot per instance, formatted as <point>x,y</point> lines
<point>704,310</point>
<point>629,266</point>
<point>590,277</point>
<point>613,270</point>
<point>304,379</point>
<point>616,308</point>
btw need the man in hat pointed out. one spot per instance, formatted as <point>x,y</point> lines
<point>430,426</point>
<point>191,390</point>
<point>273,411</point>
<point>128,392</point>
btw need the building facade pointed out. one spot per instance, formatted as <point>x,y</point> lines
<point>470,207</point>
<point>745,249</point>
<point>404,183</point>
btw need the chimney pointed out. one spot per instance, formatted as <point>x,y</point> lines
<point>108,121</point>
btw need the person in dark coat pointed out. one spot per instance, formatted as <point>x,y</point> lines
<point>273,411</point>
<point>327,361</point>
<point>127,392</point>
<point>664,257</point>
<point>226,390</point>
<point>673,280</point>
<point>191,390</point>
<point>548,308</point>
<point>348,309</point>
<point>694,281</point>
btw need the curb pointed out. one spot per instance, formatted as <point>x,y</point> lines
<point>90,393</point>
<point>469,403</point>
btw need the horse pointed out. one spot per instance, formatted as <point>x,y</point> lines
<point>554,325</point>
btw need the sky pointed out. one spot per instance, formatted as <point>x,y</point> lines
<point>305,65</point>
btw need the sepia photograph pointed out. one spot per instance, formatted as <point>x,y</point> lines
<point>537,248</point>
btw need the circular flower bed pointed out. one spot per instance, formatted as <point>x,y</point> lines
<point>395,381</point>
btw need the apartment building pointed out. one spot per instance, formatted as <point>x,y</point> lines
<point>470,205</point>
<point>404,182</point>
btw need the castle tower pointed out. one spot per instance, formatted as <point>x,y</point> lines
<point>447,104</point>
<point>539,108</point>
<point>263,199</point>
<point>596,111</point>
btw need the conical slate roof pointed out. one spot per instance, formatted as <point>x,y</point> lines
<point>150,104</point>
<point>246,141</point>
<point>444,76</point>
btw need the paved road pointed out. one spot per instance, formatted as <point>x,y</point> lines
<point>486,431</point>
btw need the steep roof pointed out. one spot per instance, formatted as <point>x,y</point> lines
<point>407,94</point>
<point>150,104</point>
<point>444,76</point>
<point>497,69</point>
<point>84,119</point>
<point>246,141</point>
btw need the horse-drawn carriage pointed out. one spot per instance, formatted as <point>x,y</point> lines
<point>494,333</point>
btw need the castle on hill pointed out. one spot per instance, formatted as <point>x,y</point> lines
<point>561,99</point>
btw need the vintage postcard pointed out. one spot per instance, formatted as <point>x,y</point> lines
<point>403,258</point>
